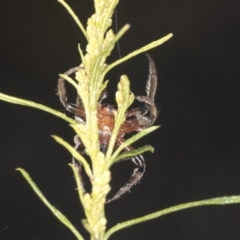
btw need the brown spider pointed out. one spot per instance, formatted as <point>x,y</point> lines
<point>137,119</point>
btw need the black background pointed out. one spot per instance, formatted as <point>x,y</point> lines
<point>197,152</point>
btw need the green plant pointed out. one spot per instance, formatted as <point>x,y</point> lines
<point>90,84</point>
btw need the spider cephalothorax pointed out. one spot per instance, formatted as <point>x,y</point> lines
<point>136,119</point>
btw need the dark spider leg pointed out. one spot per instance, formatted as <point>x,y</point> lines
<point>134,179</point>
<point>151,108</point>
<point>72,70</point>
<point>142,120</point>
<point>62,90</point>
<point>134,111</point>
<point>77,165</point>
<point>77,110</point>
<point>151,88</point>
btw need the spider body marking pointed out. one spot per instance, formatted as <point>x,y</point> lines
<point>136,120</point>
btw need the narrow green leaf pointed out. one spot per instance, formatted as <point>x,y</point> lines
<point>138,51</point>
<point>81,54</point>
<point>133,152</point>
<point>104,85</point>
<point>75,154</point>
<point>212,201</point>
<point>80,187</point>
<point>124,99</point>
<point>130,141</point>
<point>122,31</point>
<point>76,19</point>
<point>28,103</point>
<point>70,80</point>
<point>111,44</point>
<point>109,12</point>
<point>54,210</point>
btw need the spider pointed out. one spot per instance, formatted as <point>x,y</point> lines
<point>136,119</point>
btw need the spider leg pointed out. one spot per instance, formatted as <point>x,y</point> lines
<point>77,165</point>
<point>146,121</point>
<point>79,112</point>
<point>134,179</point>
<point>151,88</point>
<point>76,109</point>
<point>62,90</point>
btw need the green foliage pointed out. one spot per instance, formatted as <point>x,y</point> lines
<point>90,82</point>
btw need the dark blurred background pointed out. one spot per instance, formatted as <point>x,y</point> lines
<point>197,154</point>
